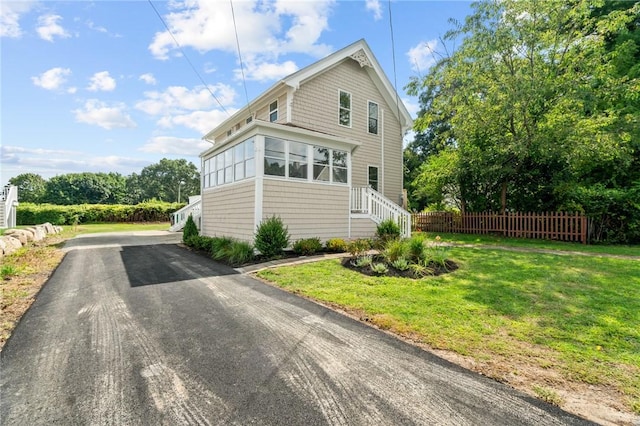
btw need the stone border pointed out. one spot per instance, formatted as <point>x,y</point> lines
<point>16,238</point>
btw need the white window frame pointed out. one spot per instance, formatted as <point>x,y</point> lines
<point>349,110</point>
<point>378,180</point>
<point>274,111</point>
<point>377,118</point>
<point>211,180</point>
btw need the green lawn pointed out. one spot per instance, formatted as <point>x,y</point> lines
<point>624,250</point>
<point>579,315</point>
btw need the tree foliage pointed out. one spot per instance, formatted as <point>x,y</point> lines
<point>158,181</point>
<point>539,103</point>
<point>31,187</point>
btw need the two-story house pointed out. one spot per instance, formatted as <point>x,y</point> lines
<point>321,149</point>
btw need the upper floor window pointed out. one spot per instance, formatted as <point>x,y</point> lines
<point>249,119</point>
<point>373,117</point>
<point>345,109</point>
<point>273,111</point>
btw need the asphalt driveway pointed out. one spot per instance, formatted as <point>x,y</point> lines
<point>132,329</point>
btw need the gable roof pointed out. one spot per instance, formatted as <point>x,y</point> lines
<point>358,51</point>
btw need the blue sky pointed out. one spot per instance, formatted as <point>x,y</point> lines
<point>101,87</point>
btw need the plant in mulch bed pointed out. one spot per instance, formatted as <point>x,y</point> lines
<point>307,246</point>
<point>272,237</point>
<point>190,230</point>
<point>409,258</point>
<point>336,245</point>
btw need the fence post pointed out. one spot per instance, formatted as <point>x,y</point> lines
<point>583,230</point>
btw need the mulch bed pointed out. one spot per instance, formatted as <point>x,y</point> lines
<point>433,269</point>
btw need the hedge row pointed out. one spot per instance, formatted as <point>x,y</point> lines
<point>31,214</point>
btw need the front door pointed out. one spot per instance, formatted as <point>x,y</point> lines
<point>373,177</point>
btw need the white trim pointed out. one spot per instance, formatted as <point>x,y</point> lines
<point>290,103</point>
<point>340,91</point>
<point>282,131</point>
<point>377,117</point>
<point>259,182</point>
<point>381,170</point>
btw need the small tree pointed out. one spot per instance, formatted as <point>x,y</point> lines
<point>190,230</point>
<point>272,237</point>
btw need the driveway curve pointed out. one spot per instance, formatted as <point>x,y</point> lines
<point>133,329</point>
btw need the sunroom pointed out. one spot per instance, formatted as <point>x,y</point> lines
<point>267,169</point>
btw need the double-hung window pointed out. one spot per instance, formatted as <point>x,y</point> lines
<point>373,117</point>
<point>238,162</point>
<point>345,109</point>
<point>273,111</point>
<point>339,166</point>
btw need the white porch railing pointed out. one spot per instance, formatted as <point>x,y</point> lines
<point>8,206</point>
<point>379,208</point>
<point>179,218</point>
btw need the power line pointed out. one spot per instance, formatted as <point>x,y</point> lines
<point>187,58</point>
<point>395,75</point>
<point>244,82</point>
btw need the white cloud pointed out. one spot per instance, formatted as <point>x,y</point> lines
<point>48,27</point>
<point>266,29</point>
<point>375,7</point>
<point>422,56</point>
<point>412,106</point>
<point>175,145</point>
<point>201,121</point>
<point>52,79</point>
<point>100,114</point>
<point>266,71</point>
<point>48,162</point>
<point>95,27</point>
<point>101,81</point>
<point>10,13</point>
<point>148,78</point>
<point>177,99</point>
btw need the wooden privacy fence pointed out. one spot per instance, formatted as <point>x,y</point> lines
<point>549,225</point>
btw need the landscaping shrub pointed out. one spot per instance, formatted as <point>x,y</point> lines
<point>388,230</point>
<point>336,245</point>
<point>190,229</point>
<point>416,249</point>
<point>220,247</point>
<point>358,247</point>
<point>307,246</point>
<point>239,253</point>
<point>394,250</point>
<point>272,237</point>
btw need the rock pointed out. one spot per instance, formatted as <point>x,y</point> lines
<point>49,228</point>
<point>18,234</point>
<point>38,235</point>
<point>11,244</point>
<point>58,229</point>
<point>2,246</point>
<point>42,230</point>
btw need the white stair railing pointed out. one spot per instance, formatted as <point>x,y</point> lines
<point>179,218</point>
<point>8,206</point>
<point>380,208</point>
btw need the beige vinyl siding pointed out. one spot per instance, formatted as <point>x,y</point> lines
<point>363,228</point>
<point>262,113</point>
<point>228,211</point>
<point>309,210</point>
<point>315,106</point>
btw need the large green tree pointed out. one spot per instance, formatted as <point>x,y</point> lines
<point>541,100</point>
<point>162,180</point>
<point>31,187</point>
<point>85,188</point>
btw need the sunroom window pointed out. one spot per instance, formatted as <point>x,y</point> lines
<point>274,157</point>
<point>339,166</point>
<point>345,109</point>
<point>321,163</point>
<point>298,160</point>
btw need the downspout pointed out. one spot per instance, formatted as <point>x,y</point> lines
<point>382,151</point>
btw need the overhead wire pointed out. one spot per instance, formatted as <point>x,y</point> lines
<point>244,81</point>
<point>395,74</point>
<point>187,58</point>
